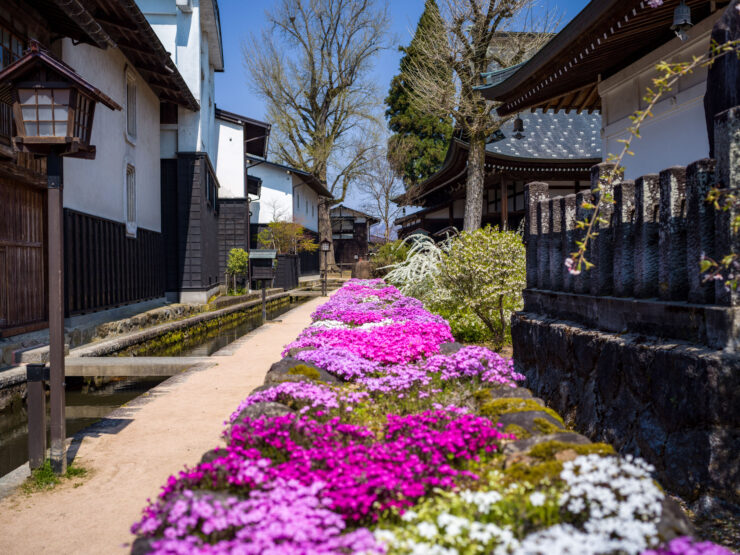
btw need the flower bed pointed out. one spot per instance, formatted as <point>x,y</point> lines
<point>422,446</point>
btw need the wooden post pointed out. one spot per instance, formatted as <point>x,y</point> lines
<point>35,376</point>
<point>56,312</point>
<point>264,301</point>
<point>504,205</point>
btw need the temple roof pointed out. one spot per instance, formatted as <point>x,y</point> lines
<point>553,136</point>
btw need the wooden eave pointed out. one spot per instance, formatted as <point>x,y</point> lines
<point>604,38</point>
<point>124,22</point>
<point>36,56</point>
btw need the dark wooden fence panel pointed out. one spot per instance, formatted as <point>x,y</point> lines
<point>23,302</point>
<point>105,268</point>
<point>286,273</point>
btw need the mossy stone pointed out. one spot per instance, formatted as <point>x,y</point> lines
<point>524,445</point>
<point>544,426</point>
<point>505,392</point>
<point>518,431</point>
<point>497,407</point>
<point>546,451</point>
<point>522,472</point>
<point>304,370</point>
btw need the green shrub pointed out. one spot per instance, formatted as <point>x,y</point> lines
<point>387,255</point>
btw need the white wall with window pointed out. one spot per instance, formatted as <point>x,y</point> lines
<point>126,138</point>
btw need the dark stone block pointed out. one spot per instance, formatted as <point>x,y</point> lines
<point>450,348</point>
<point>142,546</point>
<point>212,455</point>
<point>523,445</point>
<point>503,392</point>
<point>673,522</point>
<point>526,420</point>
<point>263,410</point>
<point>281,370</point>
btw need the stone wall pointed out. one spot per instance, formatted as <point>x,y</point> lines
<point>640,351</point>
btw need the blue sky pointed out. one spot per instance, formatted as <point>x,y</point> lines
<point>242,18</point>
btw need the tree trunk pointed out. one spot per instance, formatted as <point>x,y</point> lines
<point>325,233</point>
<point>474,186</point>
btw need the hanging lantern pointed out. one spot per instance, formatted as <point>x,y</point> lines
<point>682,20</point>
<point>53,107</point>
<point>518,128</point>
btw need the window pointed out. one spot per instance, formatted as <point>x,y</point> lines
<point>298,201</point>
<point>130,104</point>
<point>11,47</point>
<point>312,206</point>
<point>130,200</point>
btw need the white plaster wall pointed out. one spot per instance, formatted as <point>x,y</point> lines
<point>677,134</point>
<point>307,214</point>
<point>182,35</point>
<point>276,199</point>
<point>230,159</point>
<point>97,186</point>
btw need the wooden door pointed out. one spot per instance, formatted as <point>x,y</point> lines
<point>23,301</point>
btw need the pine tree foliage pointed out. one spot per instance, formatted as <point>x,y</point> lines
<point>419,142</point>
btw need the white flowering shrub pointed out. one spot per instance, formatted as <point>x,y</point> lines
<point>474,279</point>
<point>600,505</point>
<point>484,271</point>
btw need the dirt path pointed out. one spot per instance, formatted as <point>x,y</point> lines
<point>172,426</point>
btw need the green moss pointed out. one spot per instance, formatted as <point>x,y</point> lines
<point>518,431</point>
<point>520,472</point>
<point>495,408</point>
<point>546,451</point>
<point>482,395</point>
<point>303,370</point>
<point>545,427</point>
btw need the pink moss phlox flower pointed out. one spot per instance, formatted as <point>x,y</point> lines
<point>688,546</point>
<point>395,343</point>
<point>287,517</point>
<point>475,362</point>
<point>313,395</point>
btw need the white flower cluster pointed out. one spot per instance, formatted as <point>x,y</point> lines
<point>613,503</point>
<point>337,325</point>
<point>618,502</point>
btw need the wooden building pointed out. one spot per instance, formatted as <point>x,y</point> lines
<point>604,60</point>
<point>112,225</point>
<point>557,148</point>
<point>350,233</point>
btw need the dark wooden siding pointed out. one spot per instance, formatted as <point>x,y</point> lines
<point>23,300</point>
<point>346,249</point>
<point>286,273</point>
<point>105,268</point>
<point>196,237</point>
<point>173,269</point>
<point>232,229</point>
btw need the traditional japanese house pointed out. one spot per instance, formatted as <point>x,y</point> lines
<point>350,233</point>
<point>557,148</point>
<point>286,194</point>
<point>605,59</point>
<point>112,220</point>
<point>238,137</point>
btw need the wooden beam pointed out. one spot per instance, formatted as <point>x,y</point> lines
<point>589,100</point>
<point>119,25</point>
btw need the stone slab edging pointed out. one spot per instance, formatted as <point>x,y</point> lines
<point>108,346</point>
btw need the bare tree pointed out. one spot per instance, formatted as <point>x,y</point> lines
<point>380,184</point>
<point>312,67</point>
<point>480,36</point>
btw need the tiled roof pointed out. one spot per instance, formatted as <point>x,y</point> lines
<point>554,136</point>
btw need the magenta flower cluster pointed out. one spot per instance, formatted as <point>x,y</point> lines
<point>688,546</point>
<point>472,362</point>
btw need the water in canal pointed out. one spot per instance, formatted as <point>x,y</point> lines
<point>89,400</point>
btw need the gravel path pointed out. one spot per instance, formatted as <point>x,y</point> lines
<point>131,454</point>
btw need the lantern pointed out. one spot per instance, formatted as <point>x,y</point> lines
<point>53,107</point>
<point>519,128</point>
<point>682,20</point>
<point>325,245</point>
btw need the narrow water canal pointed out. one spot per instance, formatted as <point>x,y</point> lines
<point>91,399</point>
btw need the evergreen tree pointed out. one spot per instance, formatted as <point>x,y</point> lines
<point>419,142</point>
